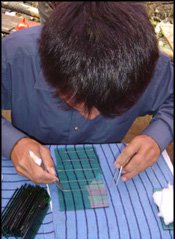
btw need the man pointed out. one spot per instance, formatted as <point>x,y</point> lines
<point>84,78</point>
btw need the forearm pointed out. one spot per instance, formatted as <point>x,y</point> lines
<point>161,126</point>
<point>160,132</point>
<point>10,136</point>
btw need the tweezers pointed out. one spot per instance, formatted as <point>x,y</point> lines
<point>119,175</point>
<point>40,163</point>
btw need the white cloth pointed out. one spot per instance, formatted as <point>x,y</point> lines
<point>164,200</point>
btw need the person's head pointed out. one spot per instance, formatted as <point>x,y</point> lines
<point>99,55</point>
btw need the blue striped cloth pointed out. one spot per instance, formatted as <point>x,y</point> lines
<point>131,214</point>
<point>10,181</point>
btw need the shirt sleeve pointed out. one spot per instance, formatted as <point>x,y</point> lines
<point>161,125</point>
<point>10,135</point>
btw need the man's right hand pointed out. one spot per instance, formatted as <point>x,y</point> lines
<point>25,165</point>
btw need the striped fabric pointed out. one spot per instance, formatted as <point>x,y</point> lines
<point>131,214</point>
<point>81,177</point>
<point>10,181</point>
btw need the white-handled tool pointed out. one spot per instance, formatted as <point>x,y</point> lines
<point>40,163</point>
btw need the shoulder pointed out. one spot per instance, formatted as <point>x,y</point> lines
<point>162,63</point>
<point>21,43</point>
<point>160,87</point>
<point>162,79</point>
<point>162,72</point>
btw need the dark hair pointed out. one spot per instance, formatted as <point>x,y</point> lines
<point>99,53</point>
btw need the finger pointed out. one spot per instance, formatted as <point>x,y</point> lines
<point>44,177</point>
<point>135,163</point>
<point>128,175</point>
<point>47,160</point>
<point>28,168</point>
<point>127,153</point>
<point>36,173</point>
<point>141,160</point>
<point>123,171</point>
<point>23,166</point>
<point>133,168</point>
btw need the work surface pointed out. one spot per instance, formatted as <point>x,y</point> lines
<point>131,214</point>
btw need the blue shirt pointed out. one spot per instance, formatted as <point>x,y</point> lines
<point>37,114</point>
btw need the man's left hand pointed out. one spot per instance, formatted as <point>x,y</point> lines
<point>141,153</point>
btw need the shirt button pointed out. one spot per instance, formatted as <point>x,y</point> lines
<point>76,128</point>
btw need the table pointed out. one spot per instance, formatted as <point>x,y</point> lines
<point>131,214</point>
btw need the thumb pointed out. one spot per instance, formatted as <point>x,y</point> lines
<point>127,153</point>
<point>47,160</point>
